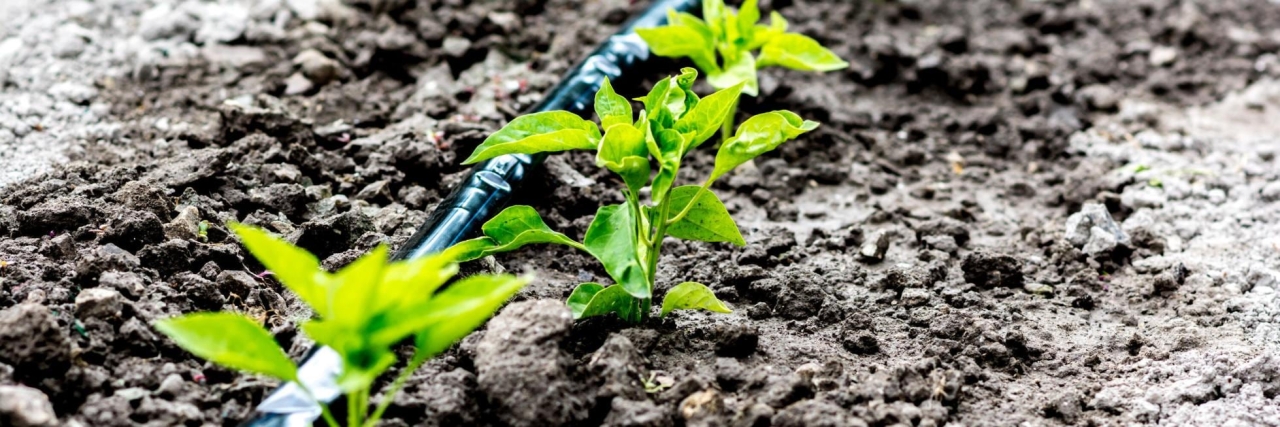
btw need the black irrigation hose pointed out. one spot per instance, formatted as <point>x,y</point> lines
<point>485,191</point>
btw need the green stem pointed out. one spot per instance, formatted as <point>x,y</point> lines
<point>389,396</point>
<point>353,413</point>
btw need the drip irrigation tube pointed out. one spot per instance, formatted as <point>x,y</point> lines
<point>486,190</point>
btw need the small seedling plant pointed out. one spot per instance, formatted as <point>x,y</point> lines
<point>627,238</point>
<point>721,45</point>
<point>363,310</point>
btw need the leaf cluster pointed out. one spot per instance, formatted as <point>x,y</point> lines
<point>361,312</point>
<point>721,44</point>
<point>645,149</point>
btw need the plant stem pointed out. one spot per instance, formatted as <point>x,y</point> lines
<point>390,394</point>
<point>353,411</point>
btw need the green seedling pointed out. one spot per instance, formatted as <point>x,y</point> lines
<point>202,231</point>
<point>363,310</point>
<point>627,238</point>
<point>721,45</point>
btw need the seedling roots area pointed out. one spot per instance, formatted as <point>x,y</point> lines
<point>1013,213</point>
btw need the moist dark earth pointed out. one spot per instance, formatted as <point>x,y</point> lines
<point>913,262</point>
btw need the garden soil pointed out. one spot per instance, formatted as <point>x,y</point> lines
<point>1014,213</point>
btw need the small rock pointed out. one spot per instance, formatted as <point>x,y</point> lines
<point>73,92</point>
<point>1100,242</point>
<point>1099,97</point>
<point>171,386</point>
<point>317,67</point>
<point>297,84</point>
<point>456,46</point>
<point>374,190</point>
<point>875,248</point>
<point>1080,226</point>
<point>32,341</point>
<point>988,270</point>
<point>736,340</point>
<point>1162,56</point>
<point>99,303</point>
<point>22,406</point>
<point>860,342</point>
<point>1271,192</point>
<point>703,404</point>
<point>914,297</point>
<point>943,243</point>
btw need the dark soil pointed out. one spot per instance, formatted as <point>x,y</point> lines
<point>906,264</point>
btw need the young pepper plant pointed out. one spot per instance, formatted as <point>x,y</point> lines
<point>363,310</point>
<point>627,238</point>
<point>721,45</point>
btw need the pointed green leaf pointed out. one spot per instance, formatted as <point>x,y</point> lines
<point>549,131</point>
<point>623,151</point>
<point>678,41</point>
<point>611,239</point>
<point>706,118</point>
<point>294,267</point>
<point>692,296</point>
<point>513,228</point>
<point>230,340</point>
<point>357,290</point>
<point>611,107</point>
<point>763,34</point>
<point>758,135</point>
<point>581,296</point>
<point>669,143</point>
<point>799,52</point>
<point>410,282</point>
<point>707,221</point>
<point>616,300</point>
<point>713,14</point>
<point>460,309</point>
<point>748,16</point>
<point>743,70</point>
<point>473,249</point>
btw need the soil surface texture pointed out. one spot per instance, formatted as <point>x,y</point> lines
<point>1015,212</point>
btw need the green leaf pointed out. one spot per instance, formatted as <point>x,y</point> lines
<point>230,340</point>
<point>464,306</point>
<point>707,221</point>
<point>692,296</point>
<point>616,300</point>
<point>758,135</point>
<point>611,239</point>
<point>358,286</point>
<point>513,228</point>
<point>706,118</point>
<point>713,14</point>
<point>581,296</point>
<point>763,34</point>
<point>748,16</point>
<point>799,52</point>
<point>294,267</point>
<point>549,131</point>
<point>679,41</point>
<point>743,70</point>
<point>611,107</point>
<point>668,142</point>
<point>623,151</point>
